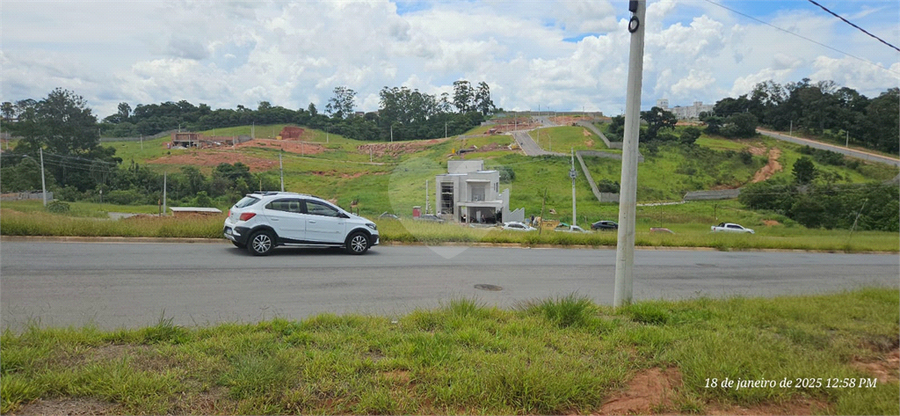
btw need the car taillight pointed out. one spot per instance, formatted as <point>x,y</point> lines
<point>247,215</point>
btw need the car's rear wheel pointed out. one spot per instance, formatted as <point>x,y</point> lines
<point>357,243</point>
<point>261,243</point>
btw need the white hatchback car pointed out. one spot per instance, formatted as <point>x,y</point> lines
<point>262,221</point>
<point>517,226</point>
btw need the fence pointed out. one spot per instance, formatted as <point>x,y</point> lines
<point>19,196</point>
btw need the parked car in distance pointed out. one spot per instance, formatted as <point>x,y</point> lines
<point>569,229</point>
<point>729,227</point>
<point>429,217</point>
<point>605,225</point>
<point>261,221</point>
<point>517,226</point>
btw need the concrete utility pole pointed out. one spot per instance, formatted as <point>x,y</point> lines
<point>628,196</point>
<point>165,180</point>
<point>573,175</point>
<point>43,182</point>
<point>281,167</point>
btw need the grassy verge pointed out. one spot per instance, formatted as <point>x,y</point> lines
<point>688,234</point>
<point>554,356</point>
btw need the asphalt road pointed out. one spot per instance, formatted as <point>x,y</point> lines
<point>839,149</point>
<point>119,284</point>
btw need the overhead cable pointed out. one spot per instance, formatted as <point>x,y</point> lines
<point>851,24</point>
<point>803,37</point>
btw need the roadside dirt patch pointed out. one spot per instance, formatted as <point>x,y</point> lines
<point>649,390</point>
<point>770,168</point>
<point>770,223</point>
<point>68,406</point>
<point>796,407</point>
<point>885,369</point>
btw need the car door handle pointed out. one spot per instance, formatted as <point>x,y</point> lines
<point>312,221</point>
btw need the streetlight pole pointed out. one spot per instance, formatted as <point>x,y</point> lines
<point>628,196</point>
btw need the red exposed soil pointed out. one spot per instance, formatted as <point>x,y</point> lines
<point>512,124</point>
<point>650,390</point>
<point>396,148</point>
<point>291,146</point>
<point>653,392</point>
<point>213,157</point>
<point>770,168</point>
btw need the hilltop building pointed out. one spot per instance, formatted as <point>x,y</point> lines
<point>691,112</point>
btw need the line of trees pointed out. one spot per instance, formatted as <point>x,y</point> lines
<point>404,114</point>
<point>822,109</point>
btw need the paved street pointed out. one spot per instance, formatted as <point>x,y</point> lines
<point>116,284</point>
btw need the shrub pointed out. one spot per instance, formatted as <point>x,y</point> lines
<point>125,197</point>
<point>58,207</point>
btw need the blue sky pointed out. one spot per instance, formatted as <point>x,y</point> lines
<point>564,55</point>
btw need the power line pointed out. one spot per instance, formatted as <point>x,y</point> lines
<point>851,24</point>
<point>802,37</point>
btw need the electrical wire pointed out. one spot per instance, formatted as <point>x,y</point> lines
<point>851,24</point>
<point>803,37</point>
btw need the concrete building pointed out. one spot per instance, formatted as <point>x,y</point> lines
<point>691,112</point>
<point>468,193</point>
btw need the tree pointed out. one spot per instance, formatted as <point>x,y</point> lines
<point>463,96</point>
<point>341,105</point>
<point>740,125</point>
<point>8,111</point>
<point>804,171</point>
<point>689,135</point>
<point>658,119</point>
<point>483,102</point>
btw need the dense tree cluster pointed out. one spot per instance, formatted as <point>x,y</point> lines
<point>822,109</point>
<point>818,205</point>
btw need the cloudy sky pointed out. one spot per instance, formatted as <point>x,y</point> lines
<point>557,55</point>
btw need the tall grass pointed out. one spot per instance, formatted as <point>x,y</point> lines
<point>564,355</point>
<point>36,223</point>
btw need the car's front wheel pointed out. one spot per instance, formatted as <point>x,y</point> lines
<point>357,243</point>
<point>261,243</point>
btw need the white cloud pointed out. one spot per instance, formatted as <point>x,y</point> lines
<point>562,55</point>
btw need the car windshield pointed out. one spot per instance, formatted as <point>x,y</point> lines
<point>246,202</point>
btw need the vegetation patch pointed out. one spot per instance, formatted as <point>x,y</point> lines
<point>563,355</point>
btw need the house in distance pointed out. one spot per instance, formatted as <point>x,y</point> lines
<point>470,194</point>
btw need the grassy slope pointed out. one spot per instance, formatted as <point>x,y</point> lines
<point>397,183</point>
<point>343,172</point>
<point>554,356</point>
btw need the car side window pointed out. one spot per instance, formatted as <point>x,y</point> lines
<point>318,208</point>
<point>733,226</point>
<point>286,205</point>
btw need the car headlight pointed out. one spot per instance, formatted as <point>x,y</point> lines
<point>372,226</point>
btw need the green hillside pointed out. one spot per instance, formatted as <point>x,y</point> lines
<point>392,176</point>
